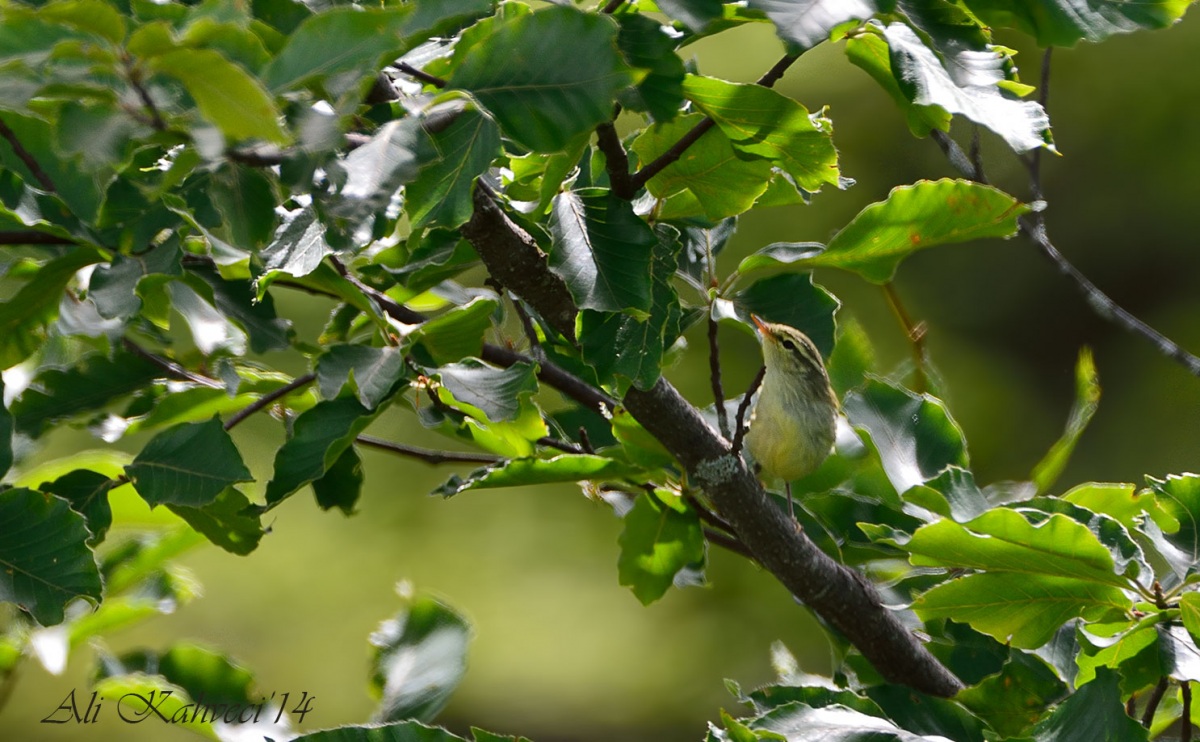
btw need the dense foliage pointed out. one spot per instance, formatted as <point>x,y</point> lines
<point>168,169</point>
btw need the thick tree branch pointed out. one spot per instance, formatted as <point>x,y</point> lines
<point>841,596</point>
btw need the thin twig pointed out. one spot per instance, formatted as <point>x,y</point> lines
<point>616,159</point>
<point>676,150</point>
<point>429,456</point>
<point>267,399</point>
<point>422,75</point>
<point>33,238</point>
<point>535,345</point>
<point>914,332</point>
<point>585,441</point>
<point>977,154</point>
<point>714,375</point>
<point>135,81</point>
<point>171,366</point>
<point>726,541</point>
<point>611,6</point>
<point>1035,162</point>
<point>1156,697</point>
<point>390,306</point>
<point>564,446</point>
<point>704,513</point>
<point>29,160</point>
<point>740,434</point>
<point>1185,733</point>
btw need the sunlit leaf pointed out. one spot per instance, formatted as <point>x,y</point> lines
<point>374,371</point>
<point>225,93</point>
<point>319,437</point>
<point>1066,22</point>
<point>657,542</point>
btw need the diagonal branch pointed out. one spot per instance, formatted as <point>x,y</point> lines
<point>267,399</point>
<point>841,596</point>
<point>30,161</point>
<point>428,455</point>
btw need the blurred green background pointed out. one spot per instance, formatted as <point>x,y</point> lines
<point>564,653</point>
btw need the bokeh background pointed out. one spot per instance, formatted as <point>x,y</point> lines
<point>561,651</point>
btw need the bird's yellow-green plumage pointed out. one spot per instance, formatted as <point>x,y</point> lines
<point>793,422</point>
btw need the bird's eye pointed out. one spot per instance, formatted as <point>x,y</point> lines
<point>789,345</point>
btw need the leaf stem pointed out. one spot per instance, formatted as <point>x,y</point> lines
<point>422,75</point>
<point>714,368</point>
<point>740,434</point>
<point>914,332</point>
<point>1156,697</point>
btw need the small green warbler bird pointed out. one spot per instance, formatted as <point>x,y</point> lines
<point>792,426</point>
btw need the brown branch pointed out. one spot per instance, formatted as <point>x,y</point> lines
<point>1156,697</point>
<point>30,161</point>
<point>740,434</point>
<point>725,541</point>
<point>553,376</point>
<point>841,596</point>
<point>170,366</point>
<point>611,6</point>
<point>564,446</point>
<point>1185,689</point>
<point>676,150</point>
<point>135,81</point>
<point>616,160</point>
<point>915,333</point>
<point>33,238</point>
<point>267,399</point>
<point>422,75</point>
<point>714,376</point>
<point>427,455</point>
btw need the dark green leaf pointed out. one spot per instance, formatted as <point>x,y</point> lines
<point>225,93</point>
<point>852,358</point>
<point>952,494</point>
<point>24,317</point>
<point>646,44</point>
<point>915,435</point>
<point>793,300</point>
<point>44,560</point>
<point>245,198</point>
<point>441,193</point>
<point>807,23</point>
<point>189,464</point>
<point>1093,712</point>
<point>721,183</point>
<point>430,257</point>
<point>374,370</point>
<point>1066,22</point>
<point>494,391</point>
<point>341,485</point>
<point>763,123</point>
<point>82,191</point>
<point>459,332</point>
<point>530,471</point>
<point>113,287</point>
<point>658,541</point>
<point>6,435</point>
<point>1011,700</point>
<point>972,90</point>
<point>212,332</point>
<point>227,521</point>
<point>419,656</point>
<point>701,245</point>
<point>87,493</point>
<point>1179,495</point>
<point>924,714</point>
<point>618,344</point>
<point>1189,611</point>
<point>237,301</point>
<point>208,677</point>
<point>1022,609</point>
<point>376,170</point>
<point>773,696</point>
<point>547,76</point>
<point>695,14</point>
<point>602,251</point>
<point>795,721</point>
<point>319,437</point>
<point>90,384</point>
<point>405,731</point>
<point>1134,652</point>
<point>97,137</point>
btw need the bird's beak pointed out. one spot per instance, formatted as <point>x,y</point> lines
<point>762,326</point>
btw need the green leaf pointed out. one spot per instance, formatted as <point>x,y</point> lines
<point>603,251</point>
<point>761,122</point>
<point>212,332</point>
<point>459,332</point>
<point>299,246</point>
<point>925,714</point>
<point>702,243</point>
<point>1022,609</point>
<point>90,384</point>
<point>530,471</point>
<point>418,658</point>
<point>658,541</point>
<point>82,191</point>
<point>319,437</point>
<point>951,494</point>
<point>169,700</point>
<point>1121,502</point>
<point>92,16</point>
<point>1066,22</point>
<point>1189,611</point>
<point>114,287</point>
<point>342,46</point>
<point>341,485</point>
<point>807,23</point>
<point>972,89</point>
<point>695,14</point>
<point>496,392</point>
<point>227,521</point>
<point>405,731</point>
<point>87,493</point>
<point>236,300</point>
<point>429,258</point>
<point>442,193</point>
<point>189,464</point>
<point>1094,712</point>
<point>376,170</point>
<point>547,76</point>
<point>6,435</point>
<point>44,559</point>
<point>870,52</point>
<point>245,198</point>
<point>912,218</point>
<point>225,94</point>
<point>24,317</point>
<point>1087,398</point>
<point>206,676</point>
<point>1002,540</point>
<point>374,370</point>
<point>796,721</point>
<point>1134,652</point>
<point>647,45</point>
<point>1127,554</point>
<point>793,300</point>
<point>915,435</point>
<point>618,344</point>
<point>190,405</point>
<point>1013,699</point>
<point>721,183</point>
